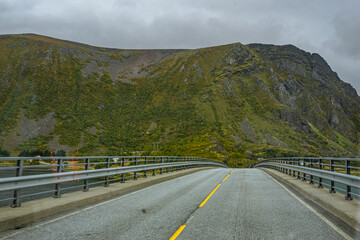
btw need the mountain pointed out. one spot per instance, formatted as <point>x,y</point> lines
<point>234,102</point>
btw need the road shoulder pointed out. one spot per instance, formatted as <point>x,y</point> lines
<point>347,211</point>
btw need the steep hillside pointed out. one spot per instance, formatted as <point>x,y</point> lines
<point>234,103</point>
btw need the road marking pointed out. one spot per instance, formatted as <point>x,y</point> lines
<point>173,237</point>
<point>226,177</point>
<point>82,210</point>
<point>187,222</point>
<point>202,204</point>
<point>341,232</point>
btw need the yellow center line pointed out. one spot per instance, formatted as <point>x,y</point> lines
<point>202,204</point>
<point>173,237</point>
<point>226,177</point>
<point>176,234</point>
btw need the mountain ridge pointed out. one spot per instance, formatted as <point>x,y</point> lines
<point>232,102</point>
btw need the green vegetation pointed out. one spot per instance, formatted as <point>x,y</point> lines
<point>4,153</point>
<point>234,103</point>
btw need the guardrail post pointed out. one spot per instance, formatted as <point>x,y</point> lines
<point>176,160</point>
<point>283,169</point>
<point>348,188</point>
<point>135,177</point>
<point>106,184</point>
<point>289,170</point>
<point>123,165</point>
<point>306,170</point>
<point>57,192</point>
<point>311,176</point>
<point>154,158</point>
<point>86,181</point>
<point>167,161</point>
<point>172,160</point>
<point>145,176</point>
<point>298,172</point>
<point>332,183</point>
<point>293,172</point>
<point>19,172</point>
<point>304,174</point>
<point>320,179</point>
<point>161,169</point>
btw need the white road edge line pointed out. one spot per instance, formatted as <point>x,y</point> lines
<point>76,212</point>
<point>341,232</point>
<point>85,209</point>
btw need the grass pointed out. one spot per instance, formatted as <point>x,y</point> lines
<point>196,117</point>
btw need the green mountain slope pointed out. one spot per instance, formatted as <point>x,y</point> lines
<point>234,102</point>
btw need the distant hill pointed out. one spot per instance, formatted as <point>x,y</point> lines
<point>234,102</point>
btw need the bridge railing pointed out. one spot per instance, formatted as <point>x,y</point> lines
<point>26,177</point>
<point>337,174</point>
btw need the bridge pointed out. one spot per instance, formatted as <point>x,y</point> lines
<point>169,197</point>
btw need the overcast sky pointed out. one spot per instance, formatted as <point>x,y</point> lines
<point>328,27</point>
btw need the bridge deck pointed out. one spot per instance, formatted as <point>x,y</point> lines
<point>247,205</point>
<point>250,205</point>
<point>335,203</point>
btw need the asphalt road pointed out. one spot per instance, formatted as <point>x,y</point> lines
<point>247,205</point>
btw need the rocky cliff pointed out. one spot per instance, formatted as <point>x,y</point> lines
<point>234,102</point>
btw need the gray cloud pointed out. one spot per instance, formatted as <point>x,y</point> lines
<point>347,30</point>
<point>328,27</point>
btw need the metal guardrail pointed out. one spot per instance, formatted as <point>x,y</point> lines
<point>343,171</point>
<point>67,169</point>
